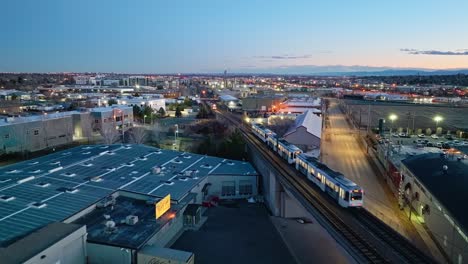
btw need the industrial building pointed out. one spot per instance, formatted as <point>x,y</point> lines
<point>134,200</point>
<point>434,184</point>
<point>38,132</point>
<point>265,103</point>
<point>306,132</point>
<point>300,105</point>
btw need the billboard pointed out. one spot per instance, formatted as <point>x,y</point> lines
<point>162,206</point>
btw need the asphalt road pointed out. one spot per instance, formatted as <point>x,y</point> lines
<point>341,151</point>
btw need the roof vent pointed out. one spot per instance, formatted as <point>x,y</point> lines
<point>206,166</point>
<point>33,163</point>
<point>129,164</point>
<point>169,183</point>
<point>6,198</point>
<point>156,170</point>
<point>177,161</point>
<point>142,158</point>
<point>35,171</point>
<point>156,151</point>
<point>105,202</point>
<point>96,179</point>
<point>86,153</point>
<point>230,163</point>
<point>43,184</point>
<point>104,147</point>
<point>187,156</point>
<point>131,219</point>
<point>445,169</point>
<point>86,164</point>
<point>38,205</point>
<point>55,163</point>
<point>69,174</point>
<point>183,178</point>
<point>110,227</point>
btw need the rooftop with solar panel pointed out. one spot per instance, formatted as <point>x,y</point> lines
<point>104,186</point>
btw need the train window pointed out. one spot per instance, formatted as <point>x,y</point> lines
<point>346,197</point>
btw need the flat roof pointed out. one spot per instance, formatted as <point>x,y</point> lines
<point>124,235</point>
<point>36,242</point>
<point>448,187</point>
<point>66,182</point>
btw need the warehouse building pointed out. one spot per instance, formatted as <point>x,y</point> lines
<point>435,187</point>
<point>134,200</point>
<point>306,132</point>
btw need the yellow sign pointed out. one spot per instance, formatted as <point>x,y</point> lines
<point>162,206</point>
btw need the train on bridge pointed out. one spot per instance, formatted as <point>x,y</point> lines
<point>341,189</point>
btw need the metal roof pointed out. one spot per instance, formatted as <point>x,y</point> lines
<point>55,187</point>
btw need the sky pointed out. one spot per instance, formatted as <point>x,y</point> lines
<point>210,36</point>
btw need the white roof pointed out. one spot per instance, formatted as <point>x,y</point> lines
<point>310,121</point>
<point>227,97</point>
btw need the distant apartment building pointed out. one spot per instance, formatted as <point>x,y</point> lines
<point>82,80</point>
<point>136,81</point>
<point>154,103</point>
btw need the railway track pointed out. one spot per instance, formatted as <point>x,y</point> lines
<point>402,251</point>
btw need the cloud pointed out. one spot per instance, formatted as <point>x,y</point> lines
<point>284,57</point>
<point>461,52</point>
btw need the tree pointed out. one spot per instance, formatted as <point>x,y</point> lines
<point>162,112</point>
<point>147,111</point>
<point>14,97</point>
<point>109,134</point>
<point>138,135</point>
<point>280,126</point>
<point>178,113</point>
<point>137,111</point>
<point>112,102</point>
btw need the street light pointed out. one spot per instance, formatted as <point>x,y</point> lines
<point>437,119</point>
<point>392,117</point>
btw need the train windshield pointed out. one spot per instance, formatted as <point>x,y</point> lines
<point>356,195</point>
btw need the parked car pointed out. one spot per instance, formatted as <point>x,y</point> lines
<point>421,136</point>
<point>449,137</point>
<point>434,136</point>
<point>430,144</point>
<point>438,145</point>
<point>394,135</point>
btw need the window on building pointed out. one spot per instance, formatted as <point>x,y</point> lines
<point>245,188</point>
<point>96,121</point>
<point>7,136</point>
<point>36,132</point>
<point>228,188</point>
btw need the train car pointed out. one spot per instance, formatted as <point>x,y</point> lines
<point>261,132</point>
<point>272,141</point>
<point>288,151</point>
<point>346,192</point>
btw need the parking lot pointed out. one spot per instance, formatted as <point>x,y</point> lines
<point>237,232</point>
<point>440,141</point>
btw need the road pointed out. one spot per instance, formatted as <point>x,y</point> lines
<point>341,151</point>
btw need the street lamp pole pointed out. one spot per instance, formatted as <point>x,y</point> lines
<point>437,119</point>
<point>393,117</point>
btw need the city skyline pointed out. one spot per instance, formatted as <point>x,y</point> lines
<point>242,37</point>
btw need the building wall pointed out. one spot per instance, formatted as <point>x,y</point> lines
<point>303,139</point>
<point>438,220</point>
<point>218,181</point>
<point>106,119</point>
<point>260,104</point>
<point>70,250</point>
<point>167,233</point>
<point>104,254</point>
<point>36,135</point>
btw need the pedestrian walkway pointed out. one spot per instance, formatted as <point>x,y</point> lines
<point>309,242</point>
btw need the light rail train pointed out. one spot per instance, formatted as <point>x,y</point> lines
<point>341,189</point>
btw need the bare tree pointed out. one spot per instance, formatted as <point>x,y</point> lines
<point>109,134</point>
<point>280,126</point>
<point>138,135</point>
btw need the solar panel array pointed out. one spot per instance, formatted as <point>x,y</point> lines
<point>54,187</point>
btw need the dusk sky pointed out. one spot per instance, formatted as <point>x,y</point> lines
<point>153,36</point>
